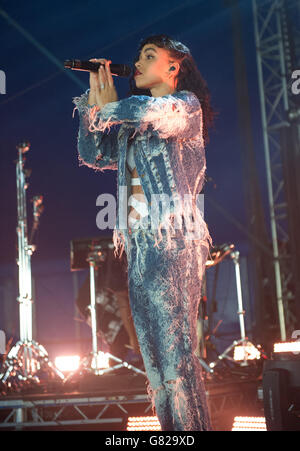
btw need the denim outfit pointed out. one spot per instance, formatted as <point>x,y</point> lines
<point>166,257</point>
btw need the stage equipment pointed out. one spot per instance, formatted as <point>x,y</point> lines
<point>286,347</point>
<point>143,424</point>
<point>93,252</point>
<point>249,424</point>
<point>220,254</point>
<point>249,352</point>
<point>111,291</point>
<point>67,363</point>
<point>2,342</point>
<point>281,388</point>
<point>24,361</point>
<point>276,32</point>
<point>216,255</point>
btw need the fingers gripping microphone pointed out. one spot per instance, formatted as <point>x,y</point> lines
<point>121,70</point>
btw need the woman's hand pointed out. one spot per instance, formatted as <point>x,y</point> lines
<point>102,88</point>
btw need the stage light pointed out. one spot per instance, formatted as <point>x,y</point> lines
<point>246,352</point>
<point>67,363</point>
<point>143,424</point>
<point>101,360</point>
<point>249,424</point>
<point>293,346</point>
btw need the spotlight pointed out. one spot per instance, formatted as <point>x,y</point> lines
<point>246,352</point>
<point>101,360</point>
<point>143,424</point>
<point>293,346</point>
<point>67,364</point>
<point>249,424</point>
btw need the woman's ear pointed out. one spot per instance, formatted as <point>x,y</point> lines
<point>174,68</point>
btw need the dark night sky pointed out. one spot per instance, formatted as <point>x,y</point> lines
<point>38,107</point>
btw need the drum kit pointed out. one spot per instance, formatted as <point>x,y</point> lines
<point>27,358</point>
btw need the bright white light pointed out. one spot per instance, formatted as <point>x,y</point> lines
<point>143,424</point>
<point>246,352</point>
<point>67,363</point>
<point>293,346</point>
<point>101,360</point>
<point>249,424</point>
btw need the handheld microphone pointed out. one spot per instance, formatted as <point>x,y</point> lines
<point>121,70</point>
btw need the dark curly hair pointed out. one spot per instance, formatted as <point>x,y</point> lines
<point>189,77</point>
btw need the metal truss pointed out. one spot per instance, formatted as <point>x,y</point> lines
<point>276,99</point>
<point>239,397</point>
<point>62,411</point>
<point>67,411</point>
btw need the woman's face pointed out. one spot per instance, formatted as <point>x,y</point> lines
<point>154,67</point>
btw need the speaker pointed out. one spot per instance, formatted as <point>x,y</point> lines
<point>280,396</point>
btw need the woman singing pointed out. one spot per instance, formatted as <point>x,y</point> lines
<point>159,154</point>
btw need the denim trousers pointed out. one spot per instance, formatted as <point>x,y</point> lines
<point>164,291</point>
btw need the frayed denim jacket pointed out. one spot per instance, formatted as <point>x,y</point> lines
<point>167,134</point>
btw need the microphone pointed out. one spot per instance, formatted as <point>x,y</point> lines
<point>121,70</point>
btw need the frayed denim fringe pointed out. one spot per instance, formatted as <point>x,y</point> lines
<point>164,291</point>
